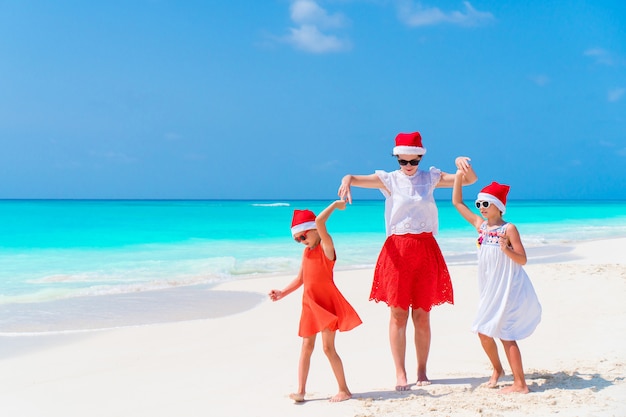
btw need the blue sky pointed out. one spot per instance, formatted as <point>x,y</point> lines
<point>278,99</point>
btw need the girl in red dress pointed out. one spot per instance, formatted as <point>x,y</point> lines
<point>324,309</point>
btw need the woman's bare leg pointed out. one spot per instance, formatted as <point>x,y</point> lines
<point>421,321</point>
<point>397,340</point>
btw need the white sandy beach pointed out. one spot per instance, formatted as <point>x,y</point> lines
<point>245,363</point>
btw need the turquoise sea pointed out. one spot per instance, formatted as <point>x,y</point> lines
<point>64,260</point>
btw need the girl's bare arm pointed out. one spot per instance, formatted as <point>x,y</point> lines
<point>320,222</point>
<point>511,245</point>
<point>457,201</point>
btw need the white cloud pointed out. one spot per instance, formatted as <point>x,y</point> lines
<point>414,14</point>
<point>113,156</point>
<point>172,136</point>
<point>309,38</point>
<point>313,33</point>
<point>326,166</point>
<point>616,94</point>
<point>540,79</point>
<point>601,56</point>
<point>195,157</point>
<point>309,12</point>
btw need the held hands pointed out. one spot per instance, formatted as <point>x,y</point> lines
<point>340,204</point>
<point>344,191</point>
<point>462,163</point>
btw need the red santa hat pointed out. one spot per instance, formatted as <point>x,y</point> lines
<point>302,220</point>
<point>409,144</point>
<point>496,194</point>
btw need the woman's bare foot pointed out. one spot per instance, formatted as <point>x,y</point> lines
<point>422,379</point>
<point>401,384</point>
<point>297,397</point>
<point>493,381</point>
<point>515,389</point>
<point>341,396</point>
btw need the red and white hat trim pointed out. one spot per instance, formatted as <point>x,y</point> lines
<point>495,193</point>
<point>302,227</point>
<point>409,144</point>
<point>409,150</point>
<point>492,200</point>
<point>302,220</point>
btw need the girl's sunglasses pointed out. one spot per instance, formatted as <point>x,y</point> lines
<point>302,237</point>
<point>485,204</point>
<point>413,162</point>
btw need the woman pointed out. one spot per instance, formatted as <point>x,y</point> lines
<point>411,273</point>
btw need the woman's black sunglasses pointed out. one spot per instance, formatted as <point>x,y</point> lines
<point>413,162</point>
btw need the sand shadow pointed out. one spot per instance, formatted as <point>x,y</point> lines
<point>140,308</point>
<point>391,394</point>
<point>537,382</point>
<point>546,381</point>
<point>473,382</point>
<point>551,254</point>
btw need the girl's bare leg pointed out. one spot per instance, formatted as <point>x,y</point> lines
<point>328,339</point>
<point>421,321</point>
<point>491,349</point>
<point>308,343</point>
<point>514,357</point>
<point>397,340</point>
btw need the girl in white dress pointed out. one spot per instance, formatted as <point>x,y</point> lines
<point>508,308</point>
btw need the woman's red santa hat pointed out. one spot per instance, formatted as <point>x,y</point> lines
<point>302,220</point>
<point>409,144</point>
<point>496,194</point>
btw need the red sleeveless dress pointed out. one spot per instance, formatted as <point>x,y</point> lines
<point>323,306</point>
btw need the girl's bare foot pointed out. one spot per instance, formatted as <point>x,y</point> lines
<point>341,396</point>
<point>493,381</point>
<point>515,389</point>
<point>297,397</point>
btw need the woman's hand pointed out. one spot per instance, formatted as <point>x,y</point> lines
<point>462,163</point>
<point>344,190</point>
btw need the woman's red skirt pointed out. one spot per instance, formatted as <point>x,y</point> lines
<point>411,272</point>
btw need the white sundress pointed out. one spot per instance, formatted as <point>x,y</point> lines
<point>508,308</point>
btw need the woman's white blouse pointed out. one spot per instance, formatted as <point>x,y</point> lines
<point>411,207</point>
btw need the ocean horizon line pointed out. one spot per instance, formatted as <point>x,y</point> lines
<point>564,200</point>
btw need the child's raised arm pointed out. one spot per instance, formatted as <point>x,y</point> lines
<point>462,164</point>
<point>320,222</point>
<point>457,201</point>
